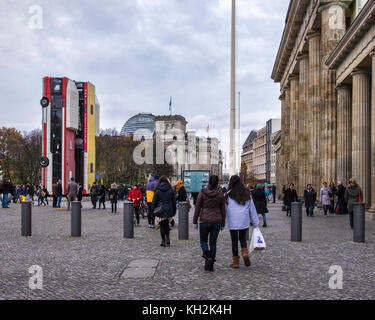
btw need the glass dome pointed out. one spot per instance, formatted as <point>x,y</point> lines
<point>141,122</point>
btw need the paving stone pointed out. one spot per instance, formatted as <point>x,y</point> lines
<point>143,263</point>
<point>88,267</point>
<point>138,273</point>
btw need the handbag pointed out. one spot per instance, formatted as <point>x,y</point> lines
<point>360,198</point>
<point>158,211</point>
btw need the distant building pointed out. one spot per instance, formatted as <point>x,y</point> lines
<point>141,122</point>
<point>275,161</point>
<point>272,126</point>
<point>258,154</point>
<point>247,155</point>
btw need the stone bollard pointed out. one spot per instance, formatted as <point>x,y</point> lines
<point>76,219</point>
<point>296,222</point>
<point>128,220</point>
<point>359,222</point>
<point>183,221</point>
<point>26,219</point>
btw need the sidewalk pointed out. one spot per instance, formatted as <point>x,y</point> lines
<point>90,267</point>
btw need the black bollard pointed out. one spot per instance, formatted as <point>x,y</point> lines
<point>359,222</point>
<point>183,221</point>
<point>26,219</point>
<point>296,222</point>
<point>76,219</point>
<point>128,220</point>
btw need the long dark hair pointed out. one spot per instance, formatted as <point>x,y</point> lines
<point>161,180</point>
<point>213,182</point>
<point>238,191</point>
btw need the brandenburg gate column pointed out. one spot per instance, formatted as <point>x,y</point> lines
<point>281,178</point>
<point>303,143</point>
<point>314,102</point>
<point>361,144</point>
<point>286,146</point>
<point>372,189</point>
<point>333,29</point>
<point>344,133</point>
<point>294,101</point>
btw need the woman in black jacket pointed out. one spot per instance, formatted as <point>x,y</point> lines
<point>101,196</point>
<point>260,202</point>
<point>113,195</point>
<point>164,200</point>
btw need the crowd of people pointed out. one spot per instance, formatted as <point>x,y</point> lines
<point>334,199</point>
<point>215,206</point>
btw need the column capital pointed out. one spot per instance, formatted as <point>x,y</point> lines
<point>357,72</point>
<point>326,5</point>
<point>293,76</point>
<point>372,53</point>
<point>302,55</point>
<point>344,86</point>
<point>282,96</point>
<point>313,33</point>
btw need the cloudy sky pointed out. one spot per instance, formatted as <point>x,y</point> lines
<point>138,53</point>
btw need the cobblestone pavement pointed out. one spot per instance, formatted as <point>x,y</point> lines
<point>89,267</point>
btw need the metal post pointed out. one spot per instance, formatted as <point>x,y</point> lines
<point>296,222</point>
<point>359,222</point>
<point>183,221</point>
<point>128,220</point>
<point>26,219</point>
<point>76,219</point>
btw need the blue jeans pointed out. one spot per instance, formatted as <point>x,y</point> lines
<point>264,218</point>
<point>5,201</point>
<point>209,230</point>
<point>310,210</point>
<point>351,219</point>
<point>59,201</point>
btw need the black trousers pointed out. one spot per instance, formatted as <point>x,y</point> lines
<point>94,200</point>
<point>164,228</point>
<point>54,201</point>
<point>150,215</point>
<point>136,210</point>
<point>235,236</point>
<point>114,205</point>
<point>102,202</point>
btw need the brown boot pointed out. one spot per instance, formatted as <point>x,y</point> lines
<point>236,262</point>
<point>245,256</point>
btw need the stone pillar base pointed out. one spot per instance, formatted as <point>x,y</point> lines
<point>370,215</point>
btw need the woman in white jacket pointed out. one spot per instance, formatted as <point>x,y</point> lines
<point>240,211</point>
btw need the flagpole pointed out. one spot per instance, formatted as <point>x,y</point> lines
<point>232,154</point>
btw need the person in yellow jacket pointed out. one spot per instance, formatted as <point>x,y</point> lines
<point>150,190</point>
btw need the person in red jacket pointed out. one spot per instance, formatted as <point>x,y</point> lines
<point>135,195</point>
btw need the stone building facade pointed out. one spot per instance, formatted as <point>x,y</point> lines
<point>247,155</point>
<point>325,67</point>
<point>260,155</point>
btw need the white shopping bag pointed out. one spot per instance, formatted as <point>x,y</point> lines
<point>257,241</point>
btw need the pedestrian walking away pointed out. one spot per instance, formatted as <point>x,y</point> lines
<point>164,202</point>
<point>353,194</point>
<point>150,191</point>
<point>113,196</point>
<point>59,191</point>
<point>94,194</point>
<point>101,196</point>
<point>240,212</point>
<point>260,201</point>
<point>273,190</point>
<point>309,196</point>
<point>210,210</point>
<point>325,198</point>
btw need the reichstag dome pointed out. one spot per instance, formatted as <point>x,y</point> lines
<point>142,121</point>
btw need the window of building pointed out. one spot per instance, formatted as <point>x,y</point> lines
<point>167,126</point>
<point>92,110</point>
<point>91,168</point>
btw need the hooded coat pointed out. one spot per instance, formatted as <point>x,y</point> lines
<point>239,216</point>
<point>150,189</point>
<point>165,197</point>
<point>210,207</point>
<point>260,201</point>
